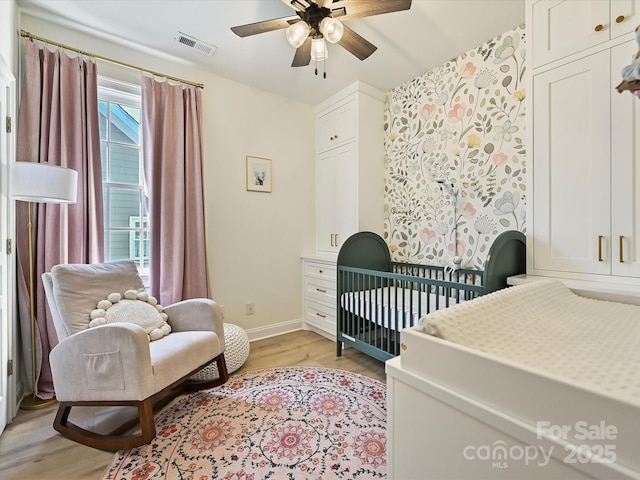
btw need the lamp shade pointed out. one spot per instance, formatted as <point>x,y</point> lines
<point>43,183</point>
<point>319,51</point>
<point>297,33</point>
<point>332,29</point>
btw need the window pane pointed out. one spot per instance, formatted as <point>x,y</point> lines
<point>103,157</point>
<point>124,163</point>
<point>123,204</point>
<point>122,180</point>
<point>118,246</point>
<point>138,247</point>
<point>124,124</point>
<point>102,108</point>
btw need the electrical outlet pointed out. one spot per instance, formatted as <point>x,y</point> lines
<point>250,309</point>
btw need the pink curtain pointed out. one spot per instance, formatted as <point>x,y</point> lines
<point>172,151</point>
<point>58,124</point>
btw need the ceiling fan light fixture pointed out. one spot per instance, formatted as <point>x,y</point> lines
<point>298,33</point>
<point>332,29</point>
<point>319,50</point>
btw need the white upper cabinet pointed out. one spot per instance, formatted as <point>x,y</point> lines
<point>584,152</point>
<point>565,27</point>
<point>336,127</point>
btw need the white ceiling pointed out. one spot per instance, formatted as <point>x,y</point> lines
<point>409,43</point>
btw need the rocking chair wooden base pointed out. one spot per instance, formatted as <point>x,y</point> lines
<point>117,440</point>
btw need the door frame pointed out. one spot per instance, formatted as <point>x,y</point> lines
<point>8,321</point>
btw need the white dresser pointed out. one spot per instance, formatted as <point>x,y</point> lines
<point>319,294</point>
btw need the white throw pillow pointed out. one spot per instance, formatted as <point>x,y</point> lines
<point>136,307</point>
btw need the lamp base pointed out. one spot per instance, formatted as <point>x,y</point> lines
<point>35,403</point>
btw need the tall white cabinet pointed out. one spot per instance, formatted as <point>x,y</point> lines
<point>349,165</point>
<point>584,161</point>
<point>349,192</point>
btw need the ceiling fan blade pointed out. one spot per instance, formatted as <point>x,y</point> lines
<point>266,26</point>
<point>299,5</point>
<point>356,44</point>
<point>367,8</point>
<point>302,58</point>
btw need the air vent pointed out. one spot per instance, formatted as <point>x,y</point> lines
<point>199,46</point>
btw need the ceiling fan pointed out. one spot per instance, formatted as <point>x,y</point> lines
<point>318,20</point>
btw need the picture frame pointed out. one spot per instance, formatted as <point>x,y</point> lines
<point>258,174</point>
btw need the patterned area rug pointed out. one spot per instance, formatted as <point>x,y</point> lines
<point>282,423</point>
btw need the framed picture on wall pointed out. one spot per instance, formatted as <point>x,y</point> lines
<point>258,174</point>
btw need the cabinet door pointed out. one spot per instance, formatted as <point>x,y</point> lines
<point>346,192</point>
<point>625,16</point>
<point>326,221</point>
<point>563,27</point>
<point>571,173</point>
<point>336,197</point>
<point>336,127</point>
<point>625,176</point>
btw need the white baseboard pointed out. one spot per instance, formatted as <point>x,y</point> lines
<point>274,329</point>
<point>320,331</point>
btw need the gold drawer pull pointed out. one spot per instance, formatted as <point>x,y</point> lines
<point>620,19</point>
<point>621,246</point>
<point>599,27</point>
<point>321,315</point>
<point>321,290</point>
<point>403,346</point>
<point>600,248</point>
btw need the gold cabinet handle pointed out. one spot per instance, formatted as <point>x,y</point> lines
<point>600,248</point>
<point>321,290</point>
<point>599,27</point>
<point>621,246</point>
<point>620,19</point>
<point>403,346</point>
<point>321,315</point>
<point>336,239</point>
<point>332,240</point>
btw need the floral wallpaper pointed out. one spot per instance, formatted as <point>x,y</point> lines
<point>462,123</point>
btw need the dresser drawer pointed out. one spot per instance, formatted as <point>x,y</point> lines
<point>320,290</point>
<point>319,315</point>
<point>320,270</point>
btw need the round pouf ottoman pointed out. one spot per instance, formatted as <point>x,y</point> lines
<point>235,353</point>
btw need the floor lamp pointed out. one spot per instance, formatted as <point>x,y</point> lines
<point>34,182</point>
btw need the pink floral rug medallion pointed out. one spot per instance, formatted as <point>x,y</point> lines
<point>283,423</point>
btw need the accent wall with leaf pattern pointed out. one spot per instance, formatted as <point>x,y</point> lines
<point>462,123</point>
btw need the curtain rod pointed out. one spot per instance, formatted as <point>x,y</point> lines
<point>100,57</point>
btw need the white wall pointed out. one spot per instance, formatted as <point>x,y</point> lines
<point>254,240</point>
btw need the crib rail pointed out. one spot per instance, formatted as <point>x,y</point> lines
<point>374,306</point>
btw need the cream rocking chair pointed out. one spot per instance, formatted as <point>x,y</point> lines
<point>116,364</point>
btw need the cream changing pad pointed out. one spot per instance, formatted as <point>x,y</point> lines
<point>544,325</point>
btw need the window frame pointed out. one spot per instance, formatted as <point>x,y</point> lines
<point>114,91</point>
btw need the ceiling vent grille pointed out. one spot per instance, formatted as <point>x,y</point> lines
<point>198,45</point>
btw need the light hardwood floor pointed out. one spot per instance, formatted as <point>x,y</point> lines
<point>31,449</point>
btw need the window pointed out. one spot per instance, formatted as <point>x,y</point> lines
<point>125,234</point>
